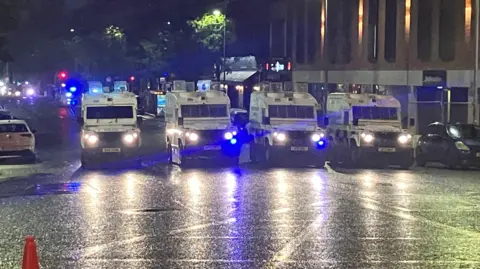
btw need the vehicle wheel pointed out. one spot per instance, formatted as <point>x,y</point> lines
<point>266,160</point>
<point>321,163</point>
<point>420,159</point>
<point>183,159</point>
<point>354,156</point>
<point>253,152</point>
<point>169,154</point>
<point>406,165</point>
<point>84,163</point>
<point>30,159</point>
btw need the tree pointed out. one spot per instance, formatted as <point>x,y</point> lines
<point>9,19</point>
<point>209,30</point>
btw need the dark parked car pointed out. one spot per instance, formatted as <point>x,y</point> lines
<point>454,145</point>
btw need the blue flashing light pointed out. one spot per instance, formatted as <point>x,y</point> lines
<point>73,89</point>
<point>74,102</point>
<point>68,94</point>
<point>233,141</point>
<point>321,143</point>
<point>95,90</point>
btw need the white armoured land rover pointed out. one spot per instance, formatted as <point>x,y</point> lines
<point>284,126</point>
<point>109,126</point>
<point>366,129</point>
<point>198,127</point>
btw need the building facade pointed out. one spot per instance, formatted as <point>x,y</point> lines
<point>420,51</point>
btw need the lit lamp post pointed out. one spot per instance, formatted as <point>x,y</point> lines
<point>218,13</point>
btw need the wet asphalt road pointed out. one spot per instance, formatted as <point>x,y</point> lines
<point>158,216</point>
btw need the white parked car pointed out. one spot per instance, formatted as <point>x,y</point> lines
<point>17,140</point>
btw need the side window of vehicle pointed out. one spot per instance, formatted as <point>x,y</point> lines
<point>346,117</point>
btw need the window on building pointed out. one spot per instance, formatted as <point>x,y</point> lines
<point>348,7</point>
<point>332,31</point>
<point>424,34</point>
<point>300,14</point>
<point>446,42</point>
<point>290,18</point>
<point>390,30</point>
<point>372,42</point>
<point>313,35</point>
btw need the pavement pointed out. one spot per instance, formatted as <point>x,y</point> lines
<point>160,216</point>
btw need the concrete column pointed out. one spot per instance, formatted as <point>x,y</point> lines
<point>435,31</point>
<point>412,45</point>
<point>366,32</point>
<point>305,31</point>
<point>294,34</point>
<point>412,110</point>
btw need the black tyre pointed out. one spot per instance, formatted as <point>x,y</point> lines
<point>420,159</point>
<point>183,158</point>
<point>253,152</point>
<point>354,160</point>
<point>169,154</point>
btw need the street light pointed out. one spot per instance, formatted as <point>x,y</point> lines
<point>72,30</point>
<point>218,13</point>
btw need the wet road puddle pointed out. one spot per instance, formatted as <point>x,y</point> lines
<point>54,189</point>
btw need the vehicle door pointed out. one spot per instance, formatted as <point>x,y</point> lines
<point>437,143</point>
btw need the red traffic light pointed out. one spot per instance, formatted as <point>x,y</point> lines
<point>62,75</point>
<point>132,78</point>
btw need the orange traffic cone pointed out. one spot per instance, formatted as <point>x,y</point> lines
<point>30,258</point>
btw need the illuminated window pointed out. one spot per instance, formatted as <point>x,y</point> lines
<point>468,20</point>
<point>408,6</point>
<point>360,22</point>
<point>322,28</point>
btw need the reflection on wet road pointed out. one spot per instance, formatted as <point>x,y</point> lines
<point>165,217</point>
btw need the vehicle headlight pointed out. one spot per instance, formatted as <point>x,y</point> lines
<point>30,92</point>
<point>280,136</point>
<point>228,135</point>
<point>404,138</point>
<point>91,138</point>
<point>317,136</point>
<point>461,146</point>
<point>17,93</point>
<point>130,138</point>
<point>192,136</point>
<point>367,137</point>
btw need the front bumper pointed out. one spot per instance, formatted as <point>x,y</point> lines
<point>109,153</point>
<point>16,153</point>
<point>469,158</point>
<point>298,153</point>
<point>387,156</point>
<point>215,151</point>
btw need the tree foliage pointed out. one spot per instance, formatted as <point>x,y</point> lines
<point>209,30</point>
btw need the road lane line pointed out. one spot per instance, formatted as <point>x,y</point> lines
<point>89,251</point>
<point>189,208</point>
<point>201,226</point>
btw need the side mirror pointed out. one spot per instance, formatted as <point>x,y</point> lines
<point>266,120</point>
<point>80,120</point>
<point>326,121</point>
<point>180,121</point>
<point>411,122</point>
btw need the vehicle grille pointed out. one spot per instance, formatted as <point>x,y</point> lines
<point>210,136</point>
<point>386,139</point>
<point>110,139</point>
<point>298,138</point>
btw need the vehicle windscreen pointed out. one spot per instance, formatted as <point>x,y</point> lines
<point>291,112</point>
<point>204,111</point>
<point>110,112</point>
<point>464,131</point>
<point>13,128</point>
<point>374,113</point>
